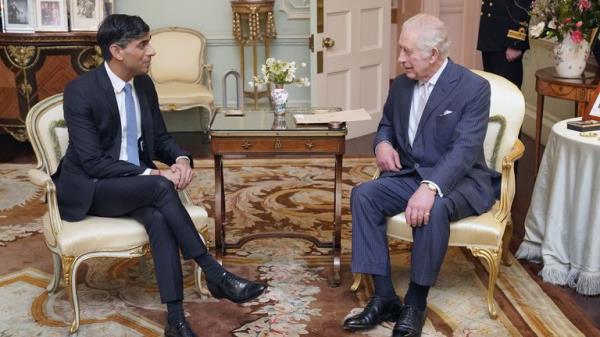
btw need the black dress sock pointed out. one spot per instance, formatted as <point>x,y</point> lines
<point>383,286</point>
<point>175,312</point>
<point>211,268</point>
<point>417,296</point>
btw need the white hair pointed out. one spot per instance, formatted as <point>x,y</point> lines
<point>432,33</point>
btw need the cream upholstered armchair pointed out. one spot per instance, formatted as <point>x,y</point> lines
<point>487,235</point>
<point>71,243</point>
<point>182,78</point>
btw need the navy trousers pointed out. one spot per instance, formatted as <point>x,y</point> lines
<point>371,202</point>
<point>153,201</point>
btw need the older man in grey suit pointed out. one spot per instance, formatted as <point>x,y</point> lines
<point>429,147</point>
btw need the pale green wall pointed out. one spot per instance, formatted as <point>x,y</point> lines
<point>213,19</point>
<point>540,56</point>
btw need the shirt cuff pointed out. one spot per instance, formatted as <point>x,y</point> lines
<point>184,157</point>
<point>439,190</point>
<point>146,172</point>
<point>381,142</point>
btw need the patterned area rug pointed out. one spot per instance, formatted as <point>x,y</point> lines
<point>120,298</point>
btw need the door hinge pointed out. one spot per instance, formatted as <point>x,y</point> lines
<point>311,43</point>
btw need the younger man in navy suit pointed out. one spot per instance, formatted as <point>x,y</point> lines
<point>115,132</point>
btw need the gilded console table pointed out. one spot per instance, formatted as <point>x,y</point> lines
<point>36,66</point>
<point>259,134</point>
<point>253,22</point>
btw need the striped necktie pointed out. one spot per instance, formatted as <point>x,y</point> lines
<point>132,147</point>
<point>415,117</point>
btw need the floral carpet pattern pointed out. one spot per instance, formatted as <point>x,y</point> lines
<point>120,298</point>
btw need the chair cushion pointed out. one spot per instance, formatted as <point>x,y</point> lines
<point>183,95</point>
<point>475,231</point>
<point>101,234</point>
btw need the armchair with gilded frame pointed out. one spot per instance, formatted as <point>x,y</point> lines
<point>179,70</point>
<point>72,243</point>
<point>487,235</point>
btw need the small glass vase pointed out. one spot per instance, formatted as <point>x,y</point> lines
<point>279,98</point>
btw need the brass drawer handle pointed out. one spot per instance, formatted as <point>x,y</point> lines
<point>278,144</point>
<point>246,145</point>
<point>309,145</point>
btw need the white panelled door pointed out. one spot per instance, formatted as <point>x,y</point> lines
<point>350,60</point>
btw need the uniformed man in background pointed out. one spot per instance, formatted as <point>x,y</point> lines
<point>503,37</point>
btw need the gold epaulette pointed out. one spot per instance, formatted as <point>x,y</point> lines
<point>517,34</point>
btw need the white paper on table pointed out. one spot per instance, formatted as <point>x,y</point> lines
<point>334,116</point>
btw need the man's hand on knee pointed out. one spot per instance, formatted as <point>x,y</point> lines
<point>173,176</point>
<point>419,206</point>
<point>182,166</point>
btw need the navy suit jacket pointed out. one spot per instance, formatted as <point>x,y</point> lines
<point>448,144</point>
<point>92,117</point>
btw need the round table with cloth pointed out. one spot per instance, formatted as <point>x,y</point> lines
<point>562,227</point>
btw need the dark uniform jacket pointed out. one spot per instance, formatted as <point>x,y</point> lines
<point>503,24</point>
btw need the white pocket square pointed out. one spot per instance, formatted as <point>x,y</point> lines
<point>447,112</point>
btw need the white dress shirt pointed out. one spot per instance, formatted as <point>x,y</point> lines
<point>118,85</point>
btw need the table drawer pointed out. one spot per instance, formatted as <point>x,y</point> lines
<point>230,145</point>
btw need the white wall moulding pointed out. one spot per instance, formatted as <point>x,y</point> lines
<point>294,9</point>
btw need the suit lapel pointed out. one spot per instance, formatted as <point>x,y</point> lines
<point>111,106</point>
<point>109,93</point>
<point>146,122</point>
<point>405,104</point>
<point>445,84</point>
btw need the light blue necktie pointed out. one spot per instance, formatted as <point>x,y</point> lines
<point>132,148</point>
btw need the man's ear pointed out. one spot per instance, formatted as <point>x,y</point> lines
<point>115,51</point>
<point>435,55</point>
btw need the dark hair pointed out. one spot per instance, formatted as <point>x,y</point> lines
<point>119,29</point>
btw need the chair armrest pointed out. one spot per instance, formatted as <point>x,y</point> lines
<point>507,188</point>
<point>207,76</point>
<point>43,179</point>
<point>376,174</point>
<point>185,198</point>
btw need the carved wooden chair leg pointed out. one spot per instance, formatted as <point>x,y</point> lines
<point>56,275</point>
<point>492,258</point>
<point>200,282</point>
<point>358,281</point>
<point>507,259</point>
<point>70,265</point>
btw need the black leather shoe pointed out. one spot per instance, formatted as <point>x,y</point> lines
<point>181,329</point>
<point>235,288</point>
<point>378,309</point>
<point>410,323</point>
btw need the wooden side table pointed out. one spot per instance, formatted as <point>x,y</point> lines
<point>257,135</point>
<point>580,90</point>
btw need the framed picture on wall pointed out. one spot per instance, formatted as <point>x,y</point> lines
<point>51,16</point>
<point>109,7</point>
<point>19,16</point>
<point>86,15</point>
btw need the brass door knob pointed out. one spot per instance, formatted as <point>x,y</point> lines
<point>328,42</point>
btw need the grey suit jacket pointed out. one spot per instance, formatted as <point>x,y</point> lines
<point>448,145</point>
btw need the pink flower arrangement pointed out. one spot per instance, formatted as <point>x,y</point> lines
<point>556,19</point>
